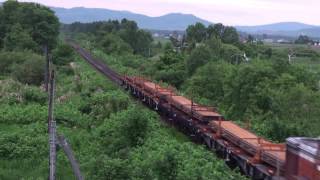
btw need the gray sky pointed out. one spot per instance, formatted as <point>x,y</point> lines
<point>231,12</point>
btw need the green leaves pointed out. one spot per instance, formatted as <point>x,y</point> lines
<point>170,68</point>
<point>18,39</point>
<point>196,33</point>
<point>22,114</point>
<point>63,54</point>
<point>30,72</point>
<point>199,57</point>
<point>23,144</point>
<point>28,26</point>
<point>114,44</point>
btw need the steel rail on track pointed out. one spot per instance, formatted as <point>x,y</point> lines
<point>219,144</point>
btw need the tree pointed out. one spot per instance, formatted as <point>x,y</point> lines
<point>18,39</point>
<point>112,43</point>
<point>199,57</point>
<point>139,40</point>
<point>215,44</point>
<point>230,35</point>
<point>302,39</point>
<point>250,38</point>
<point>143,42</point>
<point>63,54</point>
<point>135,128</point>
<point>170,68</point>
<point>209,82</point>
<point>2,27</point>
<point>38,21</point>
<point>231,53</point>
<point>227,34</point>
<point>196,33</point>
<point>247,92</point>
<point>43,23</point>
<point>216,30</point>
<point>167,167</point>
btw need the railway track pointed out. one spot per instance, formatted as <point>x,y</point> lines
<point>255,157</point>
<point>97,64</point>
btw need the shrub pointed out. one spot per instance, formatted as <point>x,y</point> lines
<point>63,54</point>
<point>9,59</point>
<point>34,94</point>
<point>114,44</point>
<point>21,114</point>
<point>199,57</point>
<point>31,71</point>
<point>103,104</point>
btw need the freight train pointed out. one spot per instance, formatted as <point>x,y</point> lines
<point>256,157</point>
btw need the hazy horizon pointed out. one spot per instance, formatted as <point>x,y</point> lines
<point>230,12</point>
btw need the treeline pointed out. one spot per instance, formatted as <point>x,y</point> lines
<point>111,136</point>
<point>26,29</point>
<point>27,26</point>
<point>249,82</point>
<point>115,36</point>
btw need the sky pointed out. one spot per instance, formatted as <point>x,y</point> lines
<point>230,12</point>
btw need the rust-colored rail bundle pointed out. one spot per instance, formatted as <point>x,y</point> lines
<point>255,156</point>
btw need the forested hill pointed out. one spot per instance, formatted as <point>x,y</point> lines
<point>112,136</point>
<point>173,21</point>
<point>177,21</point>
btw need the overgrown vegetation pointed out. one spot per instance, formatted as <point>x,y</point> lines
<point>247,81</point>
<point>112,136</point>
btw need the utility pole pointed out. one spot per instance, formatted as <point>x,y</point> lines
<point>52,131</point>
<point>47,67</point>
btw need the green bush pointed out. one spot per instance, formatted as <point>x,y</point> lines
<point>199,57</point>
<point>9,59</point>
<point>114,44</point>
<point>29,143</point>
<point>69,116</point>
<point>23,114</point>
<point>102,105</point>
<point>34,94</point>
<point>10,92</point>
<point>63,54</point>
<point>30,72</point>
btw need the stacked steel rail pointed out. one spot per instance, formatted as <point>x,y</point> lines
<point>256,157</point>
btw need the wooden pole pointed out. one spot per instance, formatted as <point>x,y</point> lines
<point>52,131</point>
<point>47,66</point>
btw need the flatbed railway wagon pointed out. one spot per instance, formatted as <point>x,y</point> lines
<point>258,158</point>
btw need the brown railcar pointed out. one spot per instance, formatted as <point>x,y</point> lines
<point>263,150</point>
<point>255,156</point>
<point>303,159</point>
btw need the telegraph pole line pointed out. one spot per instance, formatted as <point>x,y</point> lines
<point>47,67</point>
<point>52,131</point>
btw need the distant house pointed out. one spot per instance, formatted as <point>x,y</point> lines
<point>283,41</point>
<point>155,35</point>
<point>268,40</point>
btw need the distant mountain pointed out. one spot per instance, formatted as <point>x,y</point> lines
<point>292,29</point>
<point>173,21</point>
<point>178,21</point>
<point>283,26</point>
